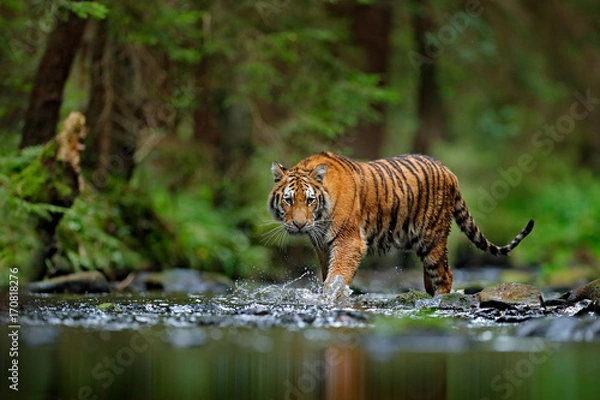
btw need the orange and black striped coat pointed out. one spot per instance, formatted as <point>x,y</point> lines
<point>348,208</point>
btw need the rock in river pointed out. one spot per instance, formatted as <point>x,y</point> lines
<point>457,301</point>
<point>409,299</point>
<point>591,291</point>
<point>507,295</point>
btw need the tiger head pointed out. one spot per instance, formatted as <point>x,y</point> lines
<point>299,199</point>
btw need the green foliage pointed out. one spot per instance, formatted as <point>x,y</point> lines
<point>160,25</point>
<point>92,235</point>
<point>296,70</point>
<point>210,238</point>
<point>564,201</point>
<point>343,106</point>
<point>87,9</point>
<point>117,231</point>
<point>22,176</point>
<point>568,226</point>
<point>41,177</point>
<point>18,239</point>
<point>24,183</point>
<point>291,67</point>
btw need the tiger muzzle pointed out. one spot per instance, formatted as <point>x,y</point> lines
<point>299,223</point>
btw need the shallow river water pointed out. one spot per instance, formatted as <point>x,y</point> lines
<point>283,342</point>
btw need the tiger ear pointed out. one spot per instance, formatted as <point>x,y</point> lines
<point>318,173</point>
<point>278,171</point>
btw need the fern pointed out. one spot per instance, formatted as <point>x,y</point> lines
<point>40,210</point>
<point>18,162</point>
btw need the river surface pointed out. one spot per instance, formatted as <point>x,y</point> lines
<point>285,342</point>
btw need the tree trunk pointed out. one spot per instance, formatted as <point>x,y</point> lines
<point>114,111</point>
<point>205,116</point>
<point>372,25</point>
<point>96,112</point>
<point>430,110</point>
<point>46,96</point>
<point>127,119</point>
<point>235,149</point>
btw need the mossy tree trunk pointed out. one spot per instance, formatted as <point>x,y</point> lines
<point>53,179</point>
<point>61,186</point>
<point>42,114</point>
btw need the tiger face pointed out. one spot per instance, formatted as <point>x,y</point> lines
<point>299,199</point>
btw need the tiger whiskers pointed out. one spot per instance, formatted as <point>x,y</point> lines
<point>268,222</point>
<point>318,232</point>
<point>276,236</point>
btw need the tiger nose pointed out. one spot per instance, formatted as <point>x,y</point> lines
<point>299,225</point>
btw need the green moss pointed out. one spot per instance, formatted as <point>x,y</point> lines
<point>409,298</point>
<point>109,307</point>
<point>45,179</point>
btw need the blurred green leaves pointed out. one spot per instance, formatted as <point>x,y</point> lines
<point>88,9</point>
<point>569,221</point>
<point>294,68</point>
<point>210,239</point>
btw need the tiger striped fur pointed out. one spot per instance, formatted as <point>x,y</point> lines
<point>349,208</point>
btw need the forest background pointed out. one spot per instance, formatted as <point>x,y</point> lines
<point>188,102</point>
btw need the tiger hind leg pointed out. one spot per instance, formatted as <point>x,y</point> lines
<point>437,274</point>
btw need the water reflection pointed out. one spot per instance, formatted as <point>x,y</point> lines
<point>284,344</point>
<point>215,363</point>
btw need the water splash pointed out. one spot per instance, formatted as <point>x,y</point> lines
<point>337,291</point>
<point>312,292</point>
<point>274,294</point>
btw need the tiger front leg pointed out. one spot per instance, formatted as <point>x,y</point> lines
<point>323,256</point>
<point>344,257</point>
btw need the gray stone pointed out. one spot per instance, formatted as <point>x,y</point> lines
<point>457,301</point>
<point>507,295</point>
<point>408,299</point>
<point>590,291</point>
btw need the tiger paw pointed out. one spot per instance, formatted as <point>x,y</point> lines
<point>335,289</point>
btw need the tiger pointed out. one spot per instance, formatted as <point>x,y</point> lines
<point>350,208</point>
